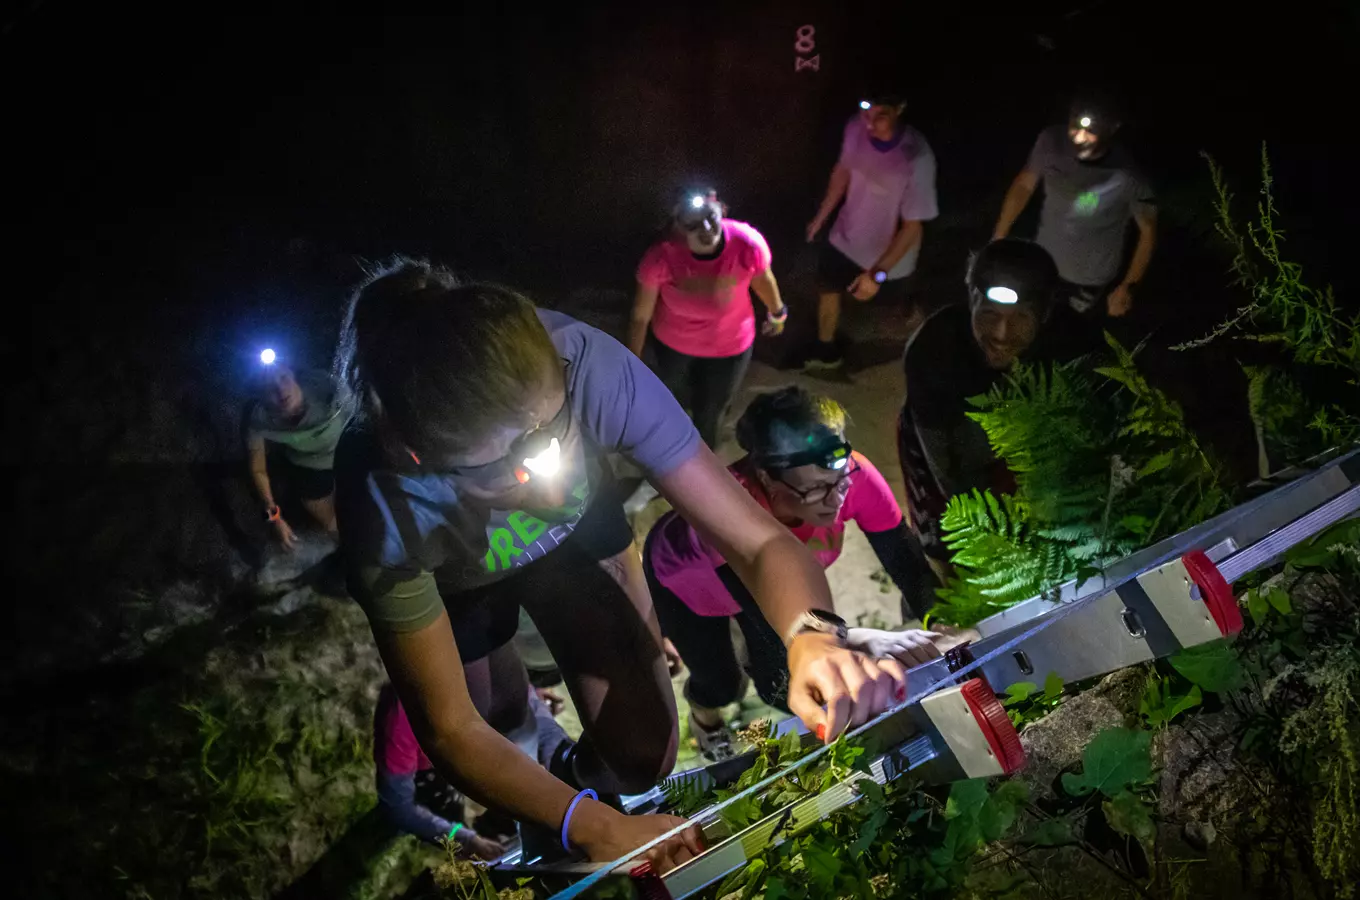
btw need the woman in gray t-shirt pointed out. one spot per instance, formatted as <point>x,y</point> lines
<point>475,481</point>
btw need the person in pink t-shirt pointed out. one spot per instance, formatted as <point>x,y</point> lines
<point>799,467</point>
<point>694,301</point>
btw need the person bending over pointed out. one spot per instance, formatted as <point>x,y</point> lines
<point>474,480</point>
<point>799,466</point>
<point>961,352</point>
<point>301,412</point>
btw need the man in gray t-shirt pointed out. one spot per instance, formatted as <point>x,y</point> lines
<point>1091,191</point>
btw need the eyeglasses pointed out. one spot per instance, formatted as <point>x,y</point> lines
<point>534,453</point>
<point>822,492</point>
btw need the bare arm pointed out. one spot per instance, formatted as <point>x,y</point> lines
<point>259,471</point>
<point>785,581</point>
<point>644,306</point>
<point>835,193</point>
<point>767,290</point>
<point>428,674</point>
<point>1017,198</point>
<point>908,235</point>
<point>1146,220</point>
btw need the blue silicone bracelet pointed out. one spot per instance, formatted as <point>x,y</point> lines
<point>571,808</point>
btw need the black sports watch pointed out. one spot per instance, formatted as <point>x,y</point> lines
<point>820,621</point>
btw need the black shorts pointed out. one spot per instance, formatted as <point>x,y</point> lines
<point>486,618</point>
<point>1089,300</point>
<point>308,484</point>
<point>835,272</point>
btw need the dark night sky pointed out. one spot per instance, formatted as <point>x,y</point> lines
<point>209,172</point>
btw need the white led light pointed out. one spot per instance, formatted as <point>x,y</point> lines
<point>1085,122</point>
<point>864,104</point>
<point>840,463</point>
<point>268,356</point>
<point>1002,295</point>
<point>547,462</point>
<point>696,201</point>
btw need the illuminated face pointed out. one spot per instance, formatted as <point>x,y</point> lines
<point>812,494</point>
<point>700,220</point>
<point>529,464</point>
<point>1089,136</point>
<point>1004,330</point>
<point>880,119</point>
<point>282,393</point>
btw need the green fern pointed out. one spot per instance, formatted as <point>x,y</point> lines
<point>1104,465</point>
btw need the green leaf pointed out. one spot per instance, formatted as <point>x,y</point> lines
<point>1257,606</point>
<point>870,789</point>
<point>755,878</point>
<point>740,813</point>
<point>1279,599</point>
<point>1115,759</point>
<point>1213,666</point>
<point>775,889</point>
<point>1019,692</point>
<point>1053,686</point>
<point>1178,705</point>
<point>1129,814</point>
<point>1050,833</point>
<point>868,831</point>
<point>966,798</point>
<point>1157,463</point>
<point>996,818</point>
<point>822,867</point>
<point>790,747</point>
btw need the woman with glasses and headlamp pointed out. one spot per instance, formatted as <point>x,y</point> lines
<point>799,466</point>
<point>474,480</point>
<point>692,314</point>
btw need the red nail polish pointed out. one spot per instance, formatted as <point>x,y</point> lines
<point>821,733</point>
<point>901,693</point>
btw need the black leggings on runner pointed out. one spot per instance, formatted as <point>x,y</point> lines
<point>702,384</point>
<point>705,644</point>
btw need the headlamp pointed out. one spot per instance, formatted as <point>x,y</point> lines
<point>268,356</point>
<point>833,456</point>
<point>547,462</point>
<point>865,105</point>
<point>696,202</point>
<point>1000,294</point>
<point>1084,121</point>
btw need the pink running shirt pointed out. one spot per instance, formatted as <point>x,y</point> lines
<point>686,565</point>
<point>704,308</point>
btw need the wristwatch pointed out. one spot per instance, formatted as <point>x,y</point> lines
<point>271,513</point>
<point>820,621</point>
<point>878,275</point>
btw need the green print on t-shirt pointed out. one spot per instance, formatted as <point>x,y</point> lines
<point>508,543</point>
<point>1087,202</point>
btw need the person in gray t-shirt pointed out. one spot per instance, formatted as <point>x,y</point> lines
<point>1091,190</point>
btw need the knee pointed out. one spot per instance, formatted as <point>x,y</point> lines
<point>645,764</point>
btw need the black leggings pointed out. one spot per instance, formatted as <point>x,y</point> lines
<point>703,384</point>
<point>705,644</point>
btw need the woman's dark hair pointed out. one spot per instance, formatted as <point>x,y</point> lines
<point>787,421</point>
<point>439,361</point>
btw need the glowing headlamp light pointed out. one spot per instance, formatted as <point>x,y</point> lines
<point>268,356</point>
<point>1004,295</point>
<point>546,463</point>
<point>864,105</point>
<point>834,457</point>
<point>1084,121</point>
<point>696,202</point>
